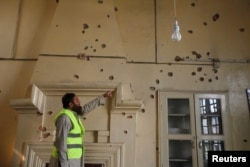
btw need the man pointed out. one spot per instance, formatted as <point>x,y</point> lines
<point>68,149</point>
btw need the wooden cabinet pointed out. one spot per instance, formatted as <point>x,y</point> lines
<point>190,125</point>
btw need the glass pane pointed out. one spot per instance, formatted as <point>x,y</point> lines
<point>211,145</point>
<point>178,116</point>
<point>210,112</point>
<point>180,153</point>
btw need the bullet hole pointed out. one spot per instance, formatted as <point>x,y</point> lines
<point>205,23</point>
<point>209,80</point>
<point>193,73</point>
<point>85,26</point>
<point>187,57</point>
<point>245,140</point>
<point>215,71</point>
<point>57,25</point>
<point>116,9</point>
<point>157,81</point>
<point>178,58</point>
<point>157,148</point>
<point>103,45</point>
<point>152,96</point>
<point>161,70</point>
<point>152,88</point>
<point>125,131</point>
<point>111,77</point>
<point>83,32</point>
<point>86,58</point>
<point>100,1</point>
<point>201,79</point>
<point>190,31</point>
<point>76,76</point>
<point>39,113</point>
<point>50,112</point>
<point>208,54</point>
<point>205,74</point>
<point>84,118</point>
<point>216,77</point>
<point>96,40</point>
<point>98,26</point>
<point>108,16</point>
<point>81,55</point>
<point>193,4</point>
<point>216,17</point>
<point>130,117</point>
<point>91,46</point>
<point>124,113</point>
<point>170,74</point>
<point>143,110</point>
<point>94,50</point>
<point>199,69</point>
<point>198,56</point>
<point>45,135</point>
<point>101,70</point>
<point>0,91</point>
<point>42,129</point>
<point>242,29</point>
<point>86,48</point>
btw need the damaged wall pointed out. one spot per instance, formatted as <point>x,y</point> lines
<point>129,42</point>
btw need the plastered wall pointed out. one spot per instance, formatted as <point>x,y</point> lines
<point>131,42</point>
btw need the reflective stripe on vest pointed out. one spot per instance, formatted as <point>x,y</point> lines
<point>74,139</point>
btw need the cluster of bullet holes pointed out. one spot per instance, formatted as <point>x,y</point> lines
<point>86,26</point>
<point>43,130</point>
<point>101,2</point>
<point>111,77</point>
<point>215,18</point>
<point>103,45</point>
<point>199,69</point>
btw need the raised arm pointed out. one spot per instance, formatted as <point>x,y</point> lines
<point>95,103</point>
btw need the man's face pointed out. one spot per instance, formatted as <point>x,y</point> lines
<point>76,106</point>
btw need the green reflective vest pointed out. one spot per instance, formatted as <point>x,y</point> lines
<point>74,140</point>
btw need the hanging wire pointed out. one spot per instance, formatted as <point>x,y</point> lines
<point>175,9</point>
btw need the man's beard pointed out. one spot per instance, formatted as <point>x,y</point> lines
<point>78,109</point>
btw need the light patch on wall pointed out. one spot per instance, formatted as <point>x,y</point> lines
<point>22,157</point>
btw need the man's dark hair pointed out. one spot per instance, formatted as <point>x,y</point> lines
<point>66,99</point>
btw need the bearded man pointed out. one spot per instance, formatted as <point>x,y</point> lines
<point>68,149</point>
